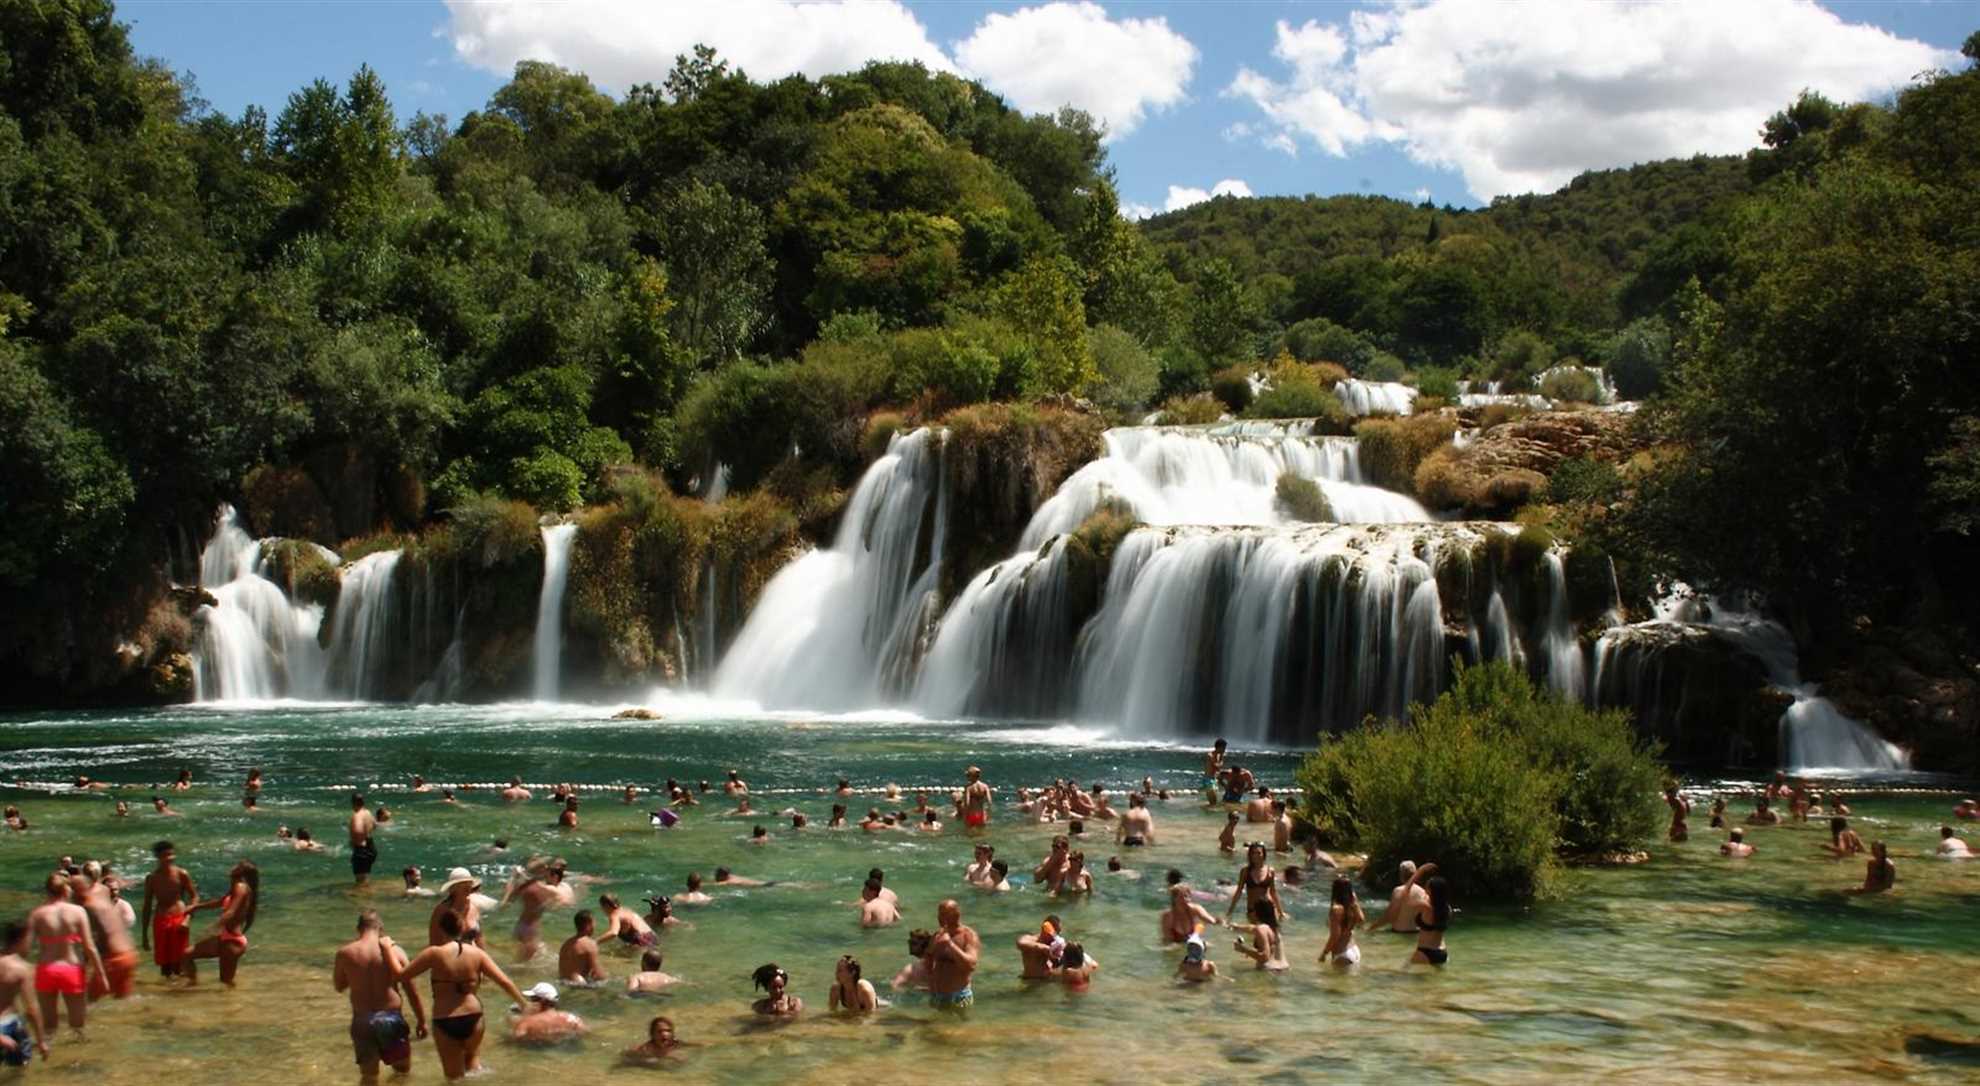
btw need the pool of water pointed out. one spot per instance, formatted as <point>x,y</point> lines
<point>1687,967</point>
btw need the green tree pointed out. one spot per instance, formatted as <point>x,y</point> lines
<point>719,273</point>
<point>1041,301</point>
<point>1128,375</point>
<point>1222,322</point>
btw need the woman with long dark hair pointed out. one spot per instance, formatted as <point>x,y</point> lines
<point>1257,884</point>
<point>1343,917</point>
<point>1433,917</point>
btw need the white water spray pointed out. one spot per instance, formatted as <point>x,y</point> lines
<point>547,657</point>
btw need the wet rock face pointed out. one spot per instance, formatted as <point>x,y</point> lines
<point>1918,687</point>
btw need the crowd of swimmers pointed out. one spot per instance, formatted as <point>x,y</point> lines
<point>88,940</point>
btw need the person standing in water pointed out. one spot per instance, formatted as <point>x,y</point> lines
<point>65,957</point>
<point>363,970</point>
<point>1880,874</point>
<point>120,956</point>
<point>975,800</point>
<point>1432,919</point>
<point>1183,916</point>
<point>851,992</point>
<point>1343,917</point>
<point>631,928</point>
<point>952,959</point>
<point>1196,965</point>
<point>1843,841</point>
<point>165,925</point>
<point>229,941</point>
<point>777,1001</point>
<point>1213,763</point>
<point>577,959</point>
<point>363,853</point>
<point>1137,826</point>
<point>1257,883</point>
<point>458,967</point>
<point>1680,808</point>
<point>18,1042</point>
<point>1266,948</point>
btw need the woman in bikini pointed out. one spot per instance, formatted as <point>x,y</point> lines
<point>66,959</point>
<point>1257,883</point>
<point>458,967</point>
<point>237,909</point>
<point>851,993</point>
<point>1266,948</point>
<point>456,900</point>
<point>1343,917</point>
<point>1433,917</point>
<point>1076,969</point>
<point>777,1001</point>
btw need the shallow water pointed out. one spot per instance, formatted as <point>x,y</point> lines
<point>1688,967</point>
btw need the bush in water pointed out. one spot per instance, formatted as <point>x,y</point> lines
<point>1232,386</point>
<point>1391,449</point>
<point>1571,386</point>
<point>1302,499</point>
<point>1493,781</point>
<point>1198,410</point>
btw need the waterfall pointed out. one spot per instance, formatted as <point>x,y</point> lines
<point>445,683</point>
<point>1375,397</point>
<point>1220,475</point>
<point>1557,640</point>
<point>254,644</point>
<point>361,633</point>
<point>837,627</point>
<point>547,657</point>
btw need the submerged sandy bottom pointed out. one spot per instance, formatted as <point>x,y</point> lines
<point>1687,968</point>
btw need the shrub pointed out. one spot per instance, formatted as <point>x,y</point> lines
<point>1129,375</point>
<point>1383,366</point>
<point>1105,527</point>
<point>1518,357</point>
<point>1321,340</point>
<point>1493,781</point>
<point>1581,480</point>
<point>881,426</point>
<point>1498,414</point>
<point>1196,410</point>
<point>302,571</point>
<point>1530,546</point>
<point>1571,386</point>
<point>1232,386</point>
<point>1183,371</point>
<point>1302,499</point>
<point>1438,384</point>
<point>1391,449</point>
<point>1300,391</point>
<point>1640,357</point>
<point>1512,488</point>
<point>548,479</point>
<point>1442,481</point>
<point>492,531</point>
<point>1328,374</point>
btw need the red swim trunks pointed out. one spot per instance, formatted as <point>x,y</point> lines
<point>119,976</point>
<point>171,939</point>
<point>976,819</point>
<point>63,978</point>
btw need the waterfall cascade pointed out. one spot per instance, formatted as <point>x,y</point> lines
<point>838,627</point>
<point>546,658</point>
<point>1375,397</point>
<point>254,644</point>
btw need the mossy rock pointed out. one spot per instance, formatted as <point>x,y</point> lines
<point>302,571</point>
<point>1302,500</point>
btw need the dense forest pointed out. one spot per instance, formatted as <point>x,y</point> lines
<point>353,323</point>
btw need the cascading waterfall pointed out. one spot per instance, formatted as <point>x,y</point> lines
<point>362,631</point>
<point>546,659</point>
<point>836,628</point>
<point>1222,475</point>
<point>254,644</point>
<point>1375,397</point>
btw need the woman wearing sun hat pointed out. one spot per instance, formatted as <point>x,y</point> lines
<point>457,897</point>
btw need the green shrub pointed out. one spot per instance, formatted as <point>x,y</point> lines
<point>302,571</point>
<point>1129,375</point>
<point>1183,371</point>
<point>492,532</point>
<point>1383,366</point>
<point>548,480</point>
<point>1571,386</point>
<point>1493,781</point>
<point>1105,527</point>
<point>1232,386</point>
<point>1302,499</point>
<point>1442,481</point>
<point>1391,449</point>
<point>1530,546</point>
<point>1198,410</point>
<point>1640,357</point>
<point>881,426</point>
<point>1438,384</point>
<point>1581,480</point>
<point>1328,374</point>
<point>1321,340</point>
<point>1511,489</point>
<point>1518,357</point>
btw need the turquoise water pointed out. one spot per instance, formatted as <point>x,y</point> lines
<point>1688,967</point>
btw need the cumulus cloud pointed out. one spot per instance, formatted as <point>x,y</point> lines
<point>1521,97</point>
<point>1060,54</point>
<point>1181,196</point>
<point>1040,58</point>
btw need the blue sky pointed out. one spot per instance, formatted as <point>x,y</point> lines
<point>1454,100</point>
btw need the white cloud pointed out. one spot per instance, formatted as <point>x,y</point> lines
<point>1181,197</point>
<point>1134,212</point>
<point>1521,97</point>
<point>1421,195</point>
<point>1039,58</point>
<point>1060,54</point>
<point>622,42</point>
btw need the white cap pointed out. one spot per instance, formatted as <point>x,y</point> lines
<point>541,991</point>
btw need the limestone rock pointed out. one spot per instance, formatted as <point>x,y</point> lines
<point>637,714</point>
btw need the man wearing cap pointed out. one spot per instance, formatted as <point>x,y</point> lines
<point>541,1022</point>
<point>457,896</point>
<point>363,970</point>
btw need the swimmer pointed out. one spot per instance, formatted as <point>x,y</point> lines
<point>1967,810</point>
<point>1405,902</point>
<point>1040,951</point>
<point>1843,841</point>
<point>1719,813</point>
<point>1266,948</point>
<point>929,824</point>
<point>1114,867</point>
<point>459,967</point>
<point>1196,966</point>
<point>726,877</point>
<point>237,907</point>
<point>799,822</point>
<point>515,792</point>
<point>915,973</point>
<point>1213,762</point>
<point>1053,868</point>
<point>253,782</point>
<point>1880,874</point>
<point>94,891</point>
<point>975,806</point>
<point>844,788</point>
<point>1137,826</point>
<point>851,992</point>
<point>777,1001</point>
<point>163,923</point>
<point>1343,917</point>
<point>123,809</point>
<point>1736,846</point>
<point>1075,879</point>
<point>694,896</point>
<point>447,797</point>
<point>419,784</point>
<point>457,899</point>
<point>735,785</point>
<point>304,842</point>
<point>184,782</point>
<point>413,889</point>
<point>874,910</point>
<point>1951,847</point>
<point>1680,808</point>
<point>1183,916</point>
<point>978,871</point>
<point>577,959</point>
<point>1763,814</point>
<point>158,807</point>
<point>542,1022</point>
<point>250,805</point>
<point>838,819</point>
<point>952,958</point>
<point>873,823</point>
<point>660,913</point>
<point>66,957</point>
<point>1432,919</point>
<point>383,814</point>
<point>567,819</point>
<point>631,928</point>
<point>1257,883</point>
<point>660,1044</point>
<point>1227,840</point>
<point>758,835</point>
<point>1259,808</point>
<point>1076,969</point>
<point>650,980</point>
<point>630,796</point>
<point>1282,827</point>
